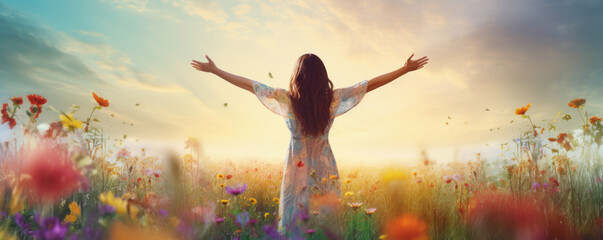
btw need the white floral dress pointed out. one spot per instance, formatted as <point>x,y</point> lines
<point>317,160</point>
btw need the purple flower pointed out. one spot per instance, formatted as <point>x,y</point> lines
<point>303,215</point>
<point>50,228</point>
<point>311,231</point>
<point>25,227</point>
<point>236,190</point>
<point>163,213</point>
<point>220,220</point>
<point>535,186</point>
<point>106,209</point>
<point>242,219</point>
<point>545,185</point>
<point>271,232</point>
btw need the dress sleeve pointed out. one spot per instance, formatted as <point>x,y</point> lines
<point>275,99</point>
<point>345,99</point>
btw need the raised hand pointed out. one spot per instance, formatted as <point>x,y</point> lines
<point>412,65</point>
<point>209,66</point>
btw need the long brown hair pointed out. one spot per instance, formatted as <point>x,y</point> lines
<point>311,94</point>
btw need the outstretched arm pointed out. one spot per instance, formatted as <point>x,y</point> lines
<point>409,66</point>
<point>210,67</point>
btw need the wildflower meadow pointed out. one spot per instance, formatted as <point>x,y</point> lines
<point>70,182</point>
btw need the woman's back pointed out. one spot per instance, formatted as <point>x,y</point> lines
<point>310,165</point>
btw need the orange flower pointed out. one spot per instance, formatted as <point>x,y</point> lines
<point>594,119</point>
<point>523,110</point>
<point>407,227</point>
<point>576,103</point>
<point>101,101</point>
<point>561,137</point>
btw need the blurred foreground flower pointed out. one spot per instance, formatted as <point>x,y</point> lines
<point>407,227</point>
<point>497,214</point>
<point>70,122</point>
<point>120,231</point>
<point>50,173</point>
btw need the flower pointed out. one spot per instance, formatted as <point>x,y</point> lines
<point>355,205</point>
<point>50,228</point>
<point>24,225</point>
<point>324,180</point>
<point>242,219</point>
<point>7,118</point>
<point>275,200</point>
<point>75,208</point>
<point>70,218</point>
<point>253,201</point>
<point>37,100</point>
<point>300,164</point>
<point>17,100</point>
<point>220,176</point>
<point>266,215</point>
<point>122,207</point>
<point>224,202</point>
<point>311,231</point>
<point>370,211</point>
<point>407,227</point>
<point>70,122</point>
<point>101,101</point>
<point>220,220</point>
<point>594,119</point>
<point>228,176</point>
<point>447,179</point>
<point>576,103</point>
<point>236,190</point>
<point>523,110</point>
<point>347,194</point>
<point>51,174</point>
<point>334,177</point>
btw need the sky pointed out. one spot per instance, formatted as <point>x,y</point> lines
<point>497,55</point>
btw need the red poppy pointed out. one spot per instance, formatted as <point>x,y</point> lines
<point>101,101</point>
<point>36,99</point>
<point>523,110</point>
<point>156,175</point>
<point>576,103</point>
<point>300,164</point>
<point>17,100</point>
<point>554,181</point>
<point>228,176</point>
<point>552,139</point>
<point>53,173</point>
<point>594,119</point>
<point>138,180</point>
<point>6,118</point>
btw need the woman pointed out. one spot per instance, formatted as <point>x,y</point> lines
<point>309,108</point>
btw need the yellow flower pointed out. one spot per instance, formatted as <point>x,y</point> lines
<point>253,201</point>
<point>334,177</point>
<point>383,236</point>
<point>121,206</point>
<point>69,121</point>
<point>222,185</point>
<point>71,218</point>
<point>276,200</point>
<point>324,180</point>
<point>347,194</point>
<point>220,176</point>
<point>75,208</point>
<point>347,181</point>
<point>266,215</point>
<point>224,202</point>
